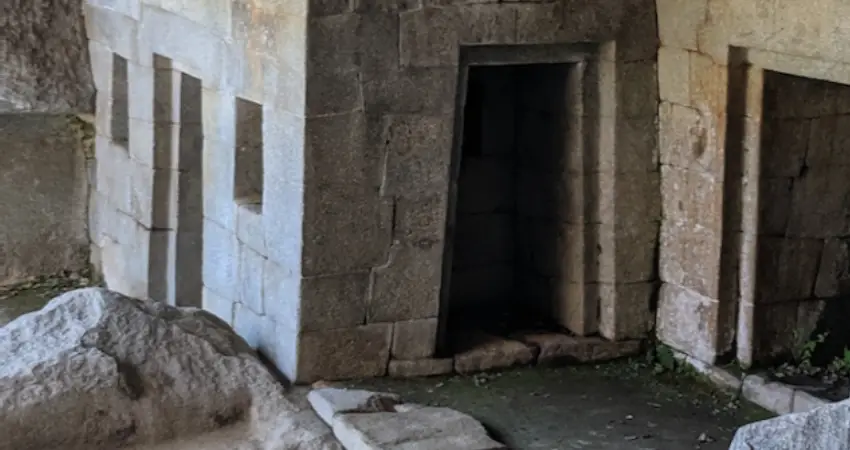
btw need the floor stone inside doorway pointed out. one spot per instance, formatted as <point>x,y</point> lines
<point>615,406</point>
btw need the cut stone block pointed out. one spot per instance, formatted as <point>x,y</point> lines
<point>364,420</point>
<point>805,402</point>
<point>328,402</point>
<point>425,428</point>
<point>775,397</point>
<point>414,339</point>
<point>360,352</point>
<point>480,352</point>
<point>400,368</point>
<point>555,348</point>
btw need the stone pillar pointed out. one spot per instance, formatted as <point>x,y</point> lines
<point>691,138</point>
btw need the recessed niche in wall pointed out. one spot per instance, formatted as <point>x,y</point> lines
<point>248,185</point>
<point>120,120</point>
<point>802,287</point>
<point>190,216</point>
<point>164,204</point>
<point>516,258</point>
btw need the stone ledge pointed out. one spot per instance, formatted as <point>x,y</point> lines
<point>480,351</point>
<point>420,368</point>
<point>556,348</point>
<point>773,396</point>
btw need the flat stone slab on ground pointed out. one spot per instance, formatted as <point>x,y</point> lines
<point>328,402</point>
<point>364,420</point>
<point>557,347</point>
<point>481,351</point>
<point>425,428</point>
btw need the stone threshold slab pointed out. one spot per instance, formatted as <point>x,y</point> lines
<point>776,397</point>
<point>480,352</point>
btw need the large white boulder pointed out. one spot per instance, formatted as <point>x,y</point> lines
<point>97,370</point>
<point>823,428</point>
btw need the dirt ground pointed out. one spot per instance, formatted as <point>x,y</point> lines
<point>615,406</point>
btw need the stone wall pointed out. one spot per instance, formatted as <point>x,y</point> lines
<point>44,176</point>
<point>183,87</point>
<point>323,242</point>
<point>45,150</point>
<point>382,84</point>
<point>804,214</point>
<point>328,235</point>
<point>712,63</point>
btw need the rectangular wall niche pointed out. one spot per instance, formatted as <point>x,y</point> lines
<point>248,185</point>
<point>803,257</point>
<point>190,198</point>
<point>517,259</point>
<point>120,115</point>
<point>176,248</point>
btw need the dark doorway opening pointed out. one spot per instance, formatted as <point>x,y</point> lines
<point>516,258</point>
<point>802,294</point>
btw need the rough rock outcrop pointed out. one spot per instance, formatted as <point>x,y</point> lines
<point>44,57</point>
<point>365,420</point>
<point>96,370</point>
<point>823,428</point>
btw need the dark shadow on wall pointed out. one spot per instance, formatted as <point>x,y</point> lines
<point>803,263</point>
<point>512,241</point>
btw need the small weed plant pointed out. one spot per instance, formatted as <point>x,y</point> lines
<point>801,362</point>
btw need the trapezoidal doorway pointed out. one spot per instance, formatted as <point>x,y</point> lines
<point>515,256</point>
<point>517,253</point>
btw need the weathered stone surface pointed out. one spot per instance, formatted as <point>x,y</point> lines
<point>366,420</point>
<point>689,253</point>
<point>479,351</point>
<point>414,339</point>
<point>687,321</point>
<point>344,216</point>
<point>555,348</point>
<point>331,302</point>
<point>823,428</point>
<point>408,288</point>
<point>328,402</point>
<point>425,428</point>
<point>44,61</point>
<point>358,352</point>
<point>805,402</point>
<point>772,396</point>
<point>400,368</point>
<point>147,372</point>
<point>43,188</point>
